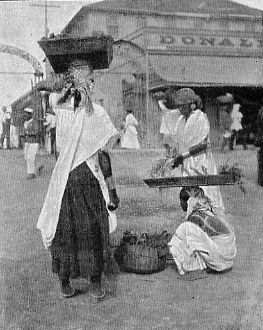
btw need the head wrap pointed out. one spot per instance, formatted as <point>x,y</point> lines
<point>199,103</point>
<point>79,74</point>
<point>185,96</point>
<point>225,99</point>
<point>236,107</point>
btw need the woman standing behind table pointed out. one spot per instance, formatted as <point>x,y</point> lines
<point>194,156</point>
<point>77,216</point>
<point>129,138</point>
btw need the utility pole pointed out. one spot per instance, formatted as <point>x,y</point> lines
<point>46,6</point>
<point>148,120</point>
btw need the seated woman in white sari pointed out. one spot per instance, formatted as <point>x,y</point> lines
<point>129,139</point>
<point>205,240</point>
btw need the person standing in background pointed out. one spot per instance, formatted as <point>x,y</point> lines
<point>225,106</point>
<point>21,136</point>
<point>259,143</point>
<point>168,124</point>
<point>236,125</point>
<point>31,143</point>
<point>6,123</point>
<point>13,135</point>
<point>50,124</point>
<point>225,122</point>
<point>129,138</point>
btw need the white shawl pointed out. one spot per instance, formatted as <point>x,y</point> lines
<point>88,134</point>
<point>191,132</point>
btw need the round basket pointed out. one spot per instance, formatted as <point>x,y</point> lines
<point>225,99</point>
<point>140,259</point>
<point>61,52</point>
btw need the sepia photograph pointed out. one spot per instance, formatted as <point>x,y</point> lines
<point>131,165</point>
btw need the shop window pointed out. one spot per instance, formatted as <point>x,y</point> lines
<point>141,22</point>
<point>224,24</point>
<point>249,27</point>
<point>113,30</point>
<point>170,23</point>
<point>198,23</point>
<point>112,26</point>
<point>82,18</point>
<point>112,20</point>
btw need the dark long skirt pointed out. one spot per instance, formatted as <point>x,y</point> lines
<point>260,166</point>
<point>83,228</point>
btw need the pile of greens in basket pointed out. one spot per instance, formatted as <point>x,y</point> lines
<point>158,240</point>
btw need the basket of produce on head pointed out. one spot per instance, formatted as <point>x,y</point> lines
<point>143,253</point>
<point>225,99</point>
<point>62,50</point>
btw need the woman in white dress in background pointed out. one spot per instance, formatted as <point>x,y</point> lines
<point>129,138</point>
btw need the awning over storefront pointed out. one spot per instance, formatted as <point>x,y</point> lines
<point>208,70</point>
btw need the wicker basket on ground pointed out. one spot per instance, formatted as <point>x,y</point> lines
<point>143,254</point>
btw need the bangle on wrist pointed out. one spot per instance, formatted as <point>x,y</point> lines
<point>110,183</point>
<point>186,154</point>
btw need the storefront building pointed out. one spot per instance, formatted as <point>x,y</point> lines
<point>213,49</point>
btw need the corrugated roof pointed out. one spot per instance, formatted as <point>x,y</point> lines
<point>223,7</point>
<point>218,8</point>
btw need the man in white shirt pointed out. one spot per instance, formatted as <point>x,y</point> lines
<point>31,146</point>
<point>6,122</point>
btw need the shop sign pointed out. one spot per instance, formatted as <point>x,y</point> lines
<point>229,42</point>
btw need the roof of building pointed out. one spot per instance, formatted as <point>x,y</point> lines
<point>224,7</point>
<point>218,8</point>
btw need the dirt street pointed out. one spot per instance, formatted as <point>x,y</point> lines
<point>29,291</point>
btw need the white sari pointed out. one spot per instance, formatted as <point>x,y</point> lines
<point>129,138</point>
<point>193,249</point>
<point>64,116</point>
<point>89,132</point>
<point>189,133</point>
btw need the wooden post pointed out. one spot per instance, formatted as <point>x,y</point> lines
<point>46,6</point>
<point>46,28</point>
<point>147,99</point>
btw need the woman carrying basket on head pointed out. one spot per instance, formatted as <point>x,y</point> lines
<point>77,216</point>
